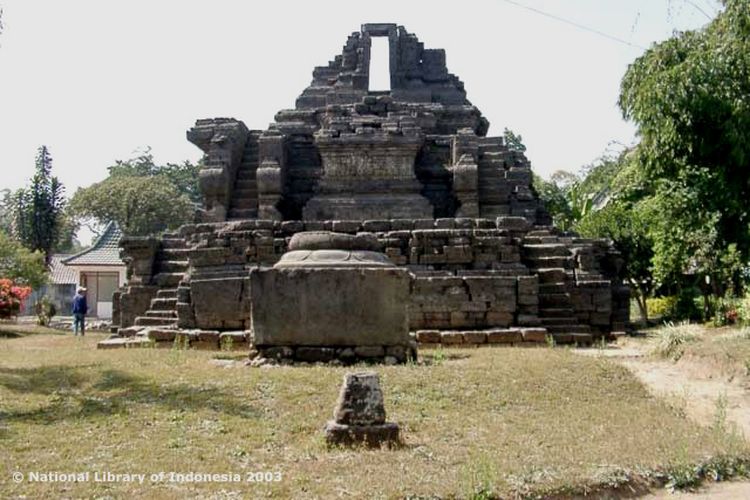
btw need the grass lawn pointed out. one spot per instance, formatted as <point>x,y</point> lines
<point>8,329</point>
<point>510,421</point>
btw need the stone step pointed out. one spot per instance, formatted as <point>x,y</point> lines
<point>161,314</point>
<point>493,155</point>
<point>168,280</point>
<point>491,148</point>
<point>162,304</point>
<point>173,243</point>
<point>245,213</point>
<point>539,240</point>
<point>556,312</point>
<point>148,321</point>
<point>495,210</point>
<point>173,254</point>
<point>546,250</point>
<point>244,203</point>
<point>558,321</point>
<point>246,184</point>
<point>123,343</point>
<point>172,266</point>
<point>539,232</point>
<point>554,301</point>
<point>546,288</point>
<point>549,262</point>
<point>167,293</point>
<point>551,275</point>
<point>246,174</point>
<point>580,338</point>
<point>568,328</point>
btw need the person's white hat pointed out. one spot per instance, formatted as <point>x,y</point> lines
<point>81,289</point>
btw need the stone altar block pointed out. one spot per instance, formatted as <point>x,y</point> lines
<point>349,296</point>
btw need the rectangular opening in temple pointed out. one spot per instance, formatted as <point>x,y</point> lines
<point>380,67</point>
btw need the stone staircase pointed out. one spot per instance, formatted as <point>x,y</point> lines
<point>170,266</point>
<point>494,192</point>
<point>546,256</point>
<point>245,194</point>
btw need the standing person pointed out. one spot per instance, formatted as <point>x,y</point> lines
<point>80,308</point>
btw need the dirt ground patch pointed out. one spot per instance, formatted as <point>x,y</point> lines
<point>708,390</point>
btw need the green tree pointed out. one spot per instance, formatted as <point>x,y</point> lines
<point>6,211</point>
<point>690,99</point>
<point>20,264</point>
<point>628,226</point>
<point>140,205</point>
<point>39,208</point>
<point>184,177</point>
<point>514,141</point>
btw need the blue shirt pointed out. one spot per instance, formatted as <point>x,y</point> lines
<point>79,304</point>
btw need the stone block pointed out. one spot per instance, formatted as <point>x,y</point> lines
<point>398,352</point>
<point>346,226</point>
<point>445,223</point>
<point>428,336</point>
<point>451,338</point>
<point>475,337</point>
<point>373,436</point>
<point>534,334</point>
<point>513,223</point>
<point>162,334</point>
<point>330,307</point>
<point>278,352</point>
<point>497,318</point>
<point>375,226</point>
<point>314,354</point>
<point>369,351</point>
<point>528,285</point>
<point>508,336</point>
<point>402,224</point>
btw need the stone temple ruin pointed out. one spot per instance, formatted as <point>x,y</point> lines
<point>413,170</point>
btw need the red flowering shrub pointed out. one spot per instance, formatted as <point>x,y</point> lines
<point>11,298</point>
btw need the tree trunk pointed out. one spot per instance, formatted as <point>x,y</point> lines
<point>640,299</point>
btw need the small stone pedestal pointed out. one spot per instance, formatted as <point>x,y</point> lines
<point>359,416</point>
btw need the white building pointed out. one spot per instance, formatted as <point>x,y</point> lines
<point>100,270</point>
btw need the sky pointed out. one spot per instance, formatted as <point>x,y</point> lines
<point>100,80</point>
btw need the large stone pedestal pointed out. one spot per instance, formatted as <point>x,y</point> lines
<point>347,303</point>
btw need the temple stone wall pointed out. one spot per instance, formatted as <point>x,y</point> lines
<point>468,273</point>
<point>414,167</point>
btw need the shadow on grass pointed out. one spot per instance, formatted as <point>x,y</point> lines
<point>79,392</point>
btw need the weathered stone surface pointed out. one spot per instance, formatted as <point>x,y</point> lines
<point>334,307</point>
<point>359,416</point>
<point>373,436</point>
<point>534,334</point>
<point>360,400</point>
<point>428,336</point>
<point>315,354</point>
<point>235,340</point>
<point>162,334</point>
<point>507,336</point>
<point>415,169</point>
<point>369,351</point>
<point>451,338</point>
<point>472,337</point>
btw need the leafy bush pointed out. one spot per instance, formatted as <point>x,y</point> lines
<point>11,298</point>
<point>743,310</point>
<point>45,311</point>
<point>663,307</point>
